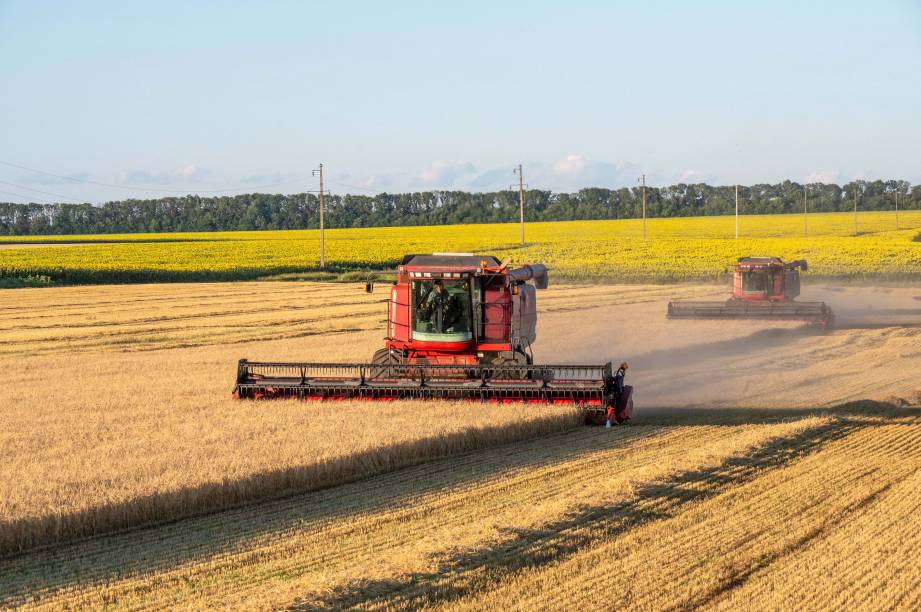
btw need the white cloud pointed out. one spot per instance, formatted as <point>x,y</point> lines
<point>571,173</point>
<point>571,165</point>
<point>576,171</point>
<point>823,176</point>
<point>375,181</point>
<point>494,179</point>
<point>691,177</point>
<point>265,179</point>
<point>444,173</point>
<point>189,173</point>
<point>47,179</point>
<point>140,177</point>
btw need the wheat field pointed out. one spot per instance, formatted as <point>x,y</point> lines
<point>756,472</point>
<point>772,509</point>
<point>119,413</point>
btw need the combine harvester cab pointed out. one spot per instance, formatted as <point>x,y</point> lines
<point>762,288</point>
<point>459,327</point>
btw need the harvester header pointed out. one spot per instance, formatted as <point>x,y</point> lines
<point>459,326</point>
<point>762,288</point>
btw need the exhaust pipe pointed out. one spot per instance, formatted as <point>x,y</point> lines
<point>537,272</point>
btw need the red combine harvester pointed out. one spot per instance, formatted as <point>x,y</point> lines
<point>762,288</point>
<point>459,326</point>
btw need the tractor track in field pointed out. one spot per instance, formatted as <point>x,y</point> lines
<point>212,314</point>
<point>581,529</point>
<point>455,530</point>
<point>733,541</point>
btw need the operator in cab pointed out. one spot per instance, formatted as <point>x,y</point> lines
<point>440,308</point>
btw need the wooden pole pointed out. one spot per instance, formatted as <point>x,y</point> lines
<point>737,212</point>
<point>644,207</point>
<point>855,208</point>
<point>521,201</point>
<point>896,209</point>
<point>322,226</point>
<point>805,212</point>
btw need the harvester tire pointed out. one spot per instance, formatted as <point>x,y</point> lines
<point>519,359</point>
<point>384,357</point>
<point>595,416</point>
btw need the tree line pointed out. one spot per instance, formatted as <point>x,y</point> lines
<point>260,211</point>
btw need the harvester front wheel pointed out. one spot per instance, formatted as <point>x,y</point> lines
<point>387,360</point>
<point>595,416</point>
<point>518,359</point>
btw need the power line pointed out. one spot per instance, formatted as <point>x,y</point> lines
<point>165,190</point>
<point>28,197</point>
<point>299,179</point>
<point>48,193</point>
<point>142,189</point>
<point>369,190</point>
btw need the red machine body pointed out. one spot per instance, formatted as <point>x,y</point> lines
<point>459,327</point>
<point>759,279</point>
<point>496,311</point>
<point>762,288</point>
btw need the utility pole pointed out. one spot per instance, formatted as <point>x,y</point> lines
<point>322,228</point>
<point>805,212</point>
<point>855,208</point>
<point>737,212</point>
<point>896,208</point>
<point>521,186</point>
<point>644,206</point>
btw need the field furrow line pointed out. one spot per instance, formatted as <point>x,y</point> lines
<point>444,513</point>
<point>413,595</point>
<point>298,478</point>
<point>418,508</point>
<point>690,530</point>
<point>849,563</point>
<point>83,323</point>
<point>115,296</point>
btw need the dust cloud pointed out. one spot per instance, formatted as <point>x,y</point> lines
<point>873,352</point>
<point>865,307</point>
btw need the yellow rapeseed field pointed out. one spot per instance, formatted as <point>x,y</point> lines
<point>698,248</point>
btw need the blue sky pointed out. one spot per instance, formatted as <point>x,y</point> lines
<point>133,99</point>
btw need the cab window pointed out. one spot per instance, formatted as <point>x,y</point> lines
<point>755,282</point>
<point>441,310</point>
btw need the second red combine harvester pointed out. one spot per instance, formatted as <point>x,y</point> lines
<point>762,288</point>
<point>459,326</point>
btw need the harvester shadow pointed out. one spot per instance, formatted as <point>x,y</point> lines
<point>762,339</point>
<point>212,497</point>
<point>473,571</point>
<point>167,543</point>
